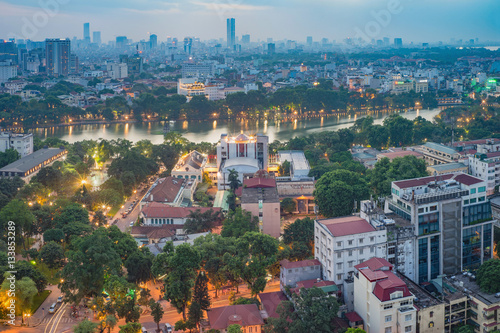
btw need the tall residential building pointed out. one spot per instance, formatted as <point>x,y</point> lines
<point>97,37</point>
<point>398,42</point>
<point>452,219</point>
<point>7,71</point>
<point>153,41</point>
<point>86,32</point>
<point>309,40</point>
<point>74,65</point>
<point>245,154</point>
<point>57,55</point>
<point>198,70</point>
<point>487,167</point>
<point>271,48</point>
<point>231,33</point>
<point>8,50</point>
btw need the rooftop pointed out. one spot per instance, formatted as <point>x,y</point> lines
<point>192,161</point>
<point>440,147</point>
<point>295,157</point>
<point>347,225</point>
<point>165,190</point>
<point>464,283</point>
<point>254,195</point>
<point>448,166</point>
<point>242,314</point>
<point>157,209</point>
<point>402,153</point>
<point>270,302</point>
<point>424,181</point>
<point>32,160</point>
<point>296,264</point>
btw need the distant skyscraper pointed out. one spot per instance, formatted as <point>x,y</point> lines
<point>245,39</point>
<point>271,48</point>
<point>188,44</point>
<point>153,41</point>
<point>57,54</point>
<point>231,33</point>
<point>386,41</point>
<point>121,42</point>
<point>309,41</point>
<point>86,32</point>
<point>97,37</point>
<point>398,42</point>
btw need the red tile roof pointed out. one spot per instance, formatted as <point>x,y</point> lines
<point>494,154</point>
<point>374,264</point>
<point>296,264</point>
<point>314,283</point>
<point>259,182</point>
<point>160,210</point>
<point>473,142</point>
<point>242,314</point>
<point>271,301</point>
<point>467,179</point>
<point>384,288</point>
<point>353,316</point>
<point>348,225</point>
<point>393,155</point>
<point>420,181</point>
<point>156,232</point>
<point>166,190</point>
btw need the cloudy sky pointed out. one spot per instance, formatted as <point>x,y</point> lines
<point>416,20</point>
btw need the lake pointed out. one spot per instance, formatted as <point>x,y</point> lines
<point>210,130</point>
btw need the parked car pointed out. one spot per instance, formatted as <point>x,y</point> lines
<point>59,299</point>
<point>144,330</point>
<point>132,224</point>
<point>52,308</point>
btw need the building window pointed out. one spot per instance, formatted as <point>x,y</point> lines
<point>433,208</point>
<point>431,314</point>
<point>387,306</point>
<point>339,255</point>
<point>472,190</point>
<point>431,324</point>
<point>360,251</point>
<point>350,242</point>
<point>350,253</point>
<point>408,317</point>
<point>482,189</point>
<point>372,239</point>
<point>388,318</point>
<point>350,263</point>
<point>361,241</point>
<point>372,249</point>
<point>339,276</point>
<point>392,250</point>
<point>388,330</point>
<point>339,244</point>
<point>339,265</point>
<point>408,329</point>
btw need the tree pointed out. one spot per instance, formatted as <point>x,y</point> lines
<point>234,328</point>
<point>234,181</point>
<point>138,266</point>
<point>284,169</point>
<point>198,222</point>
<point>400,130</point>
<point>488,276</point>
<point>53,235</point>
<point>17,211</point>
<point>25,291</point>
<point>93,259</point>
<point>302,230</point>
<point>238,223</point>
<point>110,322</point>
<point>355,330</point>
<point>130,328</point>
<point>85,326</point>
<point>201,299</point>
<point>336,191</point>
<point>464,329</point>
<point>52,254</point>
<point>181,266</point>
<point>126,308</point>
<point>310,310</point>
<point>26,269</point>
<point>288,205</point>
<point>156,312</point>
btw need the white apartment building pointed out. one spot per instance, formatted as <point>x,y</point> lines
<point>342,243</point>
<point>382,299</point>
<point>117,70</point>
<point>23,143</point>
<point>190,87</point>
<point>487,167</point>
<point>7,71</point>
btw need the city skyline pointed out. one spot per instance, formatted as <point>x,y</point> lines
<point>418,22</point>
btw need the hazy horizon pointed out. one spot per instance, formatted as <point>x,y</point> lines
<point>418,21</point>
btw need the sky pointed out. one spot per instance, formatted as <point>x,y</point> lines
<point>412,20</point>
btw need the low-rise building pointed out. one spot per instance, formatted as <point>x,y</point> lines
<point>170,191</point>
<point>157,213</point>
<point>487,167</point>
<point>382,299</point>
<point>436,153</point>
<point>248,316</point>
<point>441,169</point>
<point>292,272</point>
<point>299,166</point>
<point>29,165</point>
<point>22,143</point>
<point>190,167</point>
<point>401,153</point>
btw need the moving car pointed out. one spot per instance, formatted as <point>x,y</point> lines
<point>59,299</point>
<point>167,328</point>
<point>132,224</point>
<point>52,308</point>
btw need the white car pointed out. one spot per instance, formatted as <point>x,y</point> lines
<point>132,224</point>
<point>52,308</point>
<point>59,299</point>
<point>167,328</point>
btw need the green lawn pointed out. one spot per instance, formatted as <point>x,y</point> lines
<point>112,212</point>
<point>38,300</point>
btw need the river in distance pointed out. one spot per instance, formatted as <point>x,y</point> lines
<point>210,130</point>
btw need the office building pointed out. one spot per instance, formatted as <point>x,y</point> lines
<point>382,299</point>
<point>452,219</point>
<point>57,55</point>
<point>153,41</point>
<point>486,166</point>
<point>198,70</point>
<point>117,70</point>
<point>271,48</point>
<point>97,37</point>
<point>8,51</point>
<point>398,42</point>
<point>245,39</point>
<point>245,154</point>
<point>121,42</point>
<point>86,32</point>
<point>188,45</point>
<point>309,41</point>
<point>231,33</point>
<point>7,71</point>
<point>74,66</point>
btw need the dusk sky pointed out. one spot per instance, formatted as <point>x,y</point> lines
<point>419,21</point>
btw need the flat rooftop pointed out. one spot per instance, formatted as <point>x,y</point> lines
<point>440,147</point>
<point>32,160</point>
<point>464,284</point>
<point>447,166</point>
<point>253,195</point>
<point>295,157</point>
